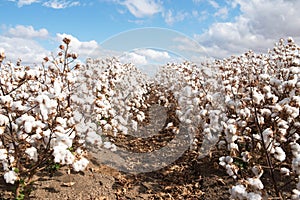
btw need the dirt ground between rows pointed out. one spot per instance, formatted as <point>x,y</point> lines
<point>194,180</point>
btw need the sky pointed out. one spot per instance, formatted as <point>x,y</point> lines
<point>145,31</point>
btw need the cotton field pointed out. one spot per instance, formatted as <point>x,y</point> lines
<point>245,109</point>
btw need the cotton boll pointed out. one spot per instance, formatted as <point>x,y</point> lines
<point>296,100</point>
<point>292,111</point>
<point>109,145</point>
<point>238,192</point>
<point>3,154</point>
<point>62,155</point>
<point>279,154</point>
<point>28,126</point>
<point>296,164</point>
<point>253,196</point>
<point>296,194</point>
<point>3,120</point>
<point>134,125</point>
<point>32,153</point>
<point>93,138</point>
<point>256,183</point>
<point>6,100</point>
<point>10,177</point>
<point>80,165</point>
<point>257,170</point>
<point>257,97</point>
<point>222,161</point>
<point>285,171</point>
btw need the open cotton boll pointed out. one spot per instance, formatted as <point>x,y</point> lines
<point>3,154</point>
<point>292,111</point>
<point>6,100</point>
<point>279,154</point>
<point>256,183</point>
<point>32,153</point>
<point>93,138</point>
<point>253,196</point>
<point>296,164</point>
<point>238,192</point>
<point>10,177</point>
<point>285,171</point>
<point>296,194</point>
<point>257,170</point>
<point>62,155</point>
<point>80,165</point>
<point>57,86</point>
<point>3,120</point>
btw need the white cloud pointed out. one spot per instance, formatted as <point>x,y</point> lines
<point>214,4</point>
<point>170,18</point>
<point>154,54</point>
<point>197,1</point>
<point>28,50</point>
<point>142,8</point>
<point>19,43</point>
<point>21,3</point>
<point>132,57</point>
<point>21,31</point>
<point>222,12</point>
<point>145,56</point>
<point>84,49</point>
<point>260,25</point>
<point>60,4</point>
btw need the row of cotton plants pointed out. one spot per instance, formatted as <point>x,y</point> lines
<point>247,108</point>
<point>50,114</point>
<point>37,118</point>
<point>260,140</point>
<point>199,103</point>
<point>111,96</point>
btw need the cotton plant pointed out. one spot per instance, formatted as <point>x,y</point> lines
<point>37,118</point>
<point>198,102</point>
<point>112,97</point>
<point>261,95</point>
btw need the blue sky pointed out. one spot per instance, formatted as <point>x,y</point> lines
<point>30,29</point>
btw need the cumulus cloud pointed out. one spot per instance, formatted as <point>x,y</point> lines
<point>142,8</point>
<point>214,4</point>
<point>19,43</point>
<point>132,57</point>
<point>154,55</point>
<point>222,12</point>
<point>258,27</point>
<point>83,48</point>
<point>27,32</point>
<point>28,50</point>
<point>60,4</point>
<point>55,4</point>
<point>21,3</point>
<point>171,18</point>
